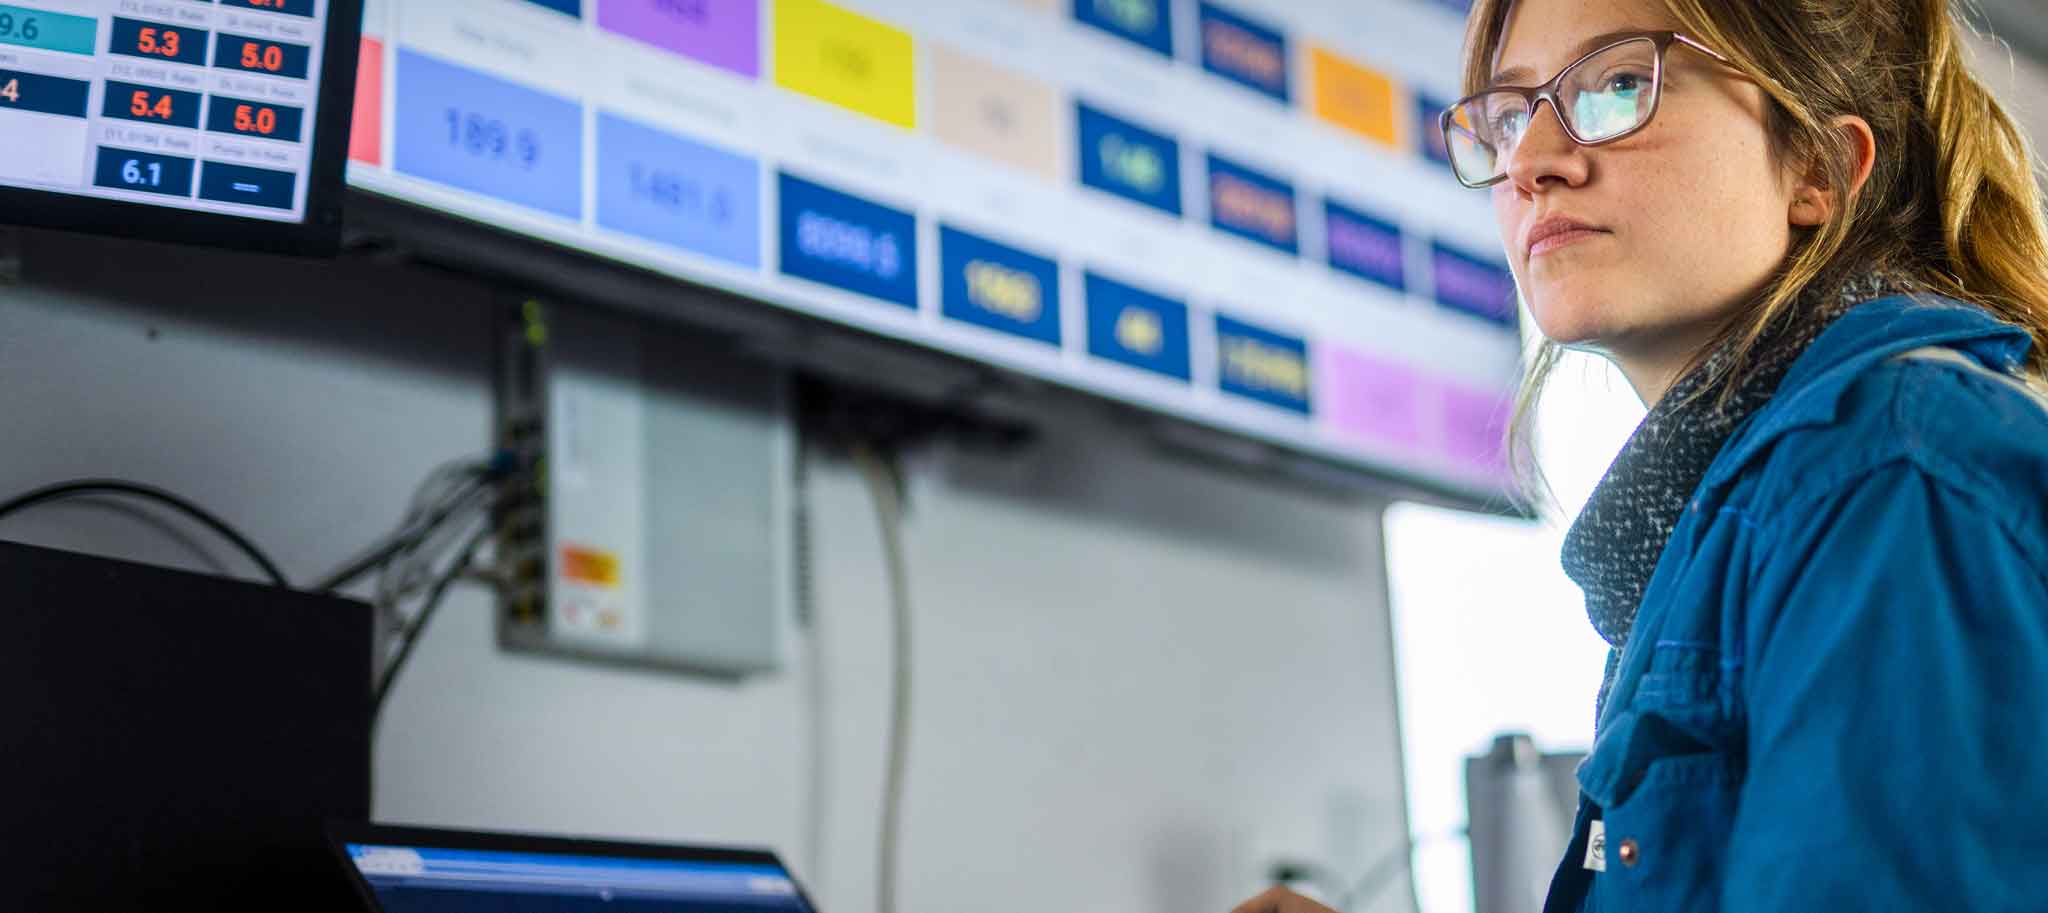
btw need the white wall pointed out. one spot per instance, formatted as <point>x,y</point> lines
<point>1138,678</point>
<point>2019,81</point>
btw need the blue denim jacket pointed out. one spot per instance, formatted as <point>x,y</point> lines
<point>1835,695</point>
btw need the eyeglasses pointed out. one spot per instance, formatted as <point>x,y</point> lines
<point>1602,97</point>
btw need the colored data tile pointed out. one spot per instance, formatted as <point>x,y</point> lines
<point>157,41</point>
<point>150,104</point>
<point>479,133</point>
<point>1133,162</point>
<point>1364,246</point>
<point>1262,365</point>
<point>678,192</point>
<point>1145,23</point>
<point>43,30</point>
<point>838,56</point>
<point>1254,206</point>
<point>994,113</point>
<point>845,241</point>
<point>1429,122</point>
<point>1357,98</point>
<point>248,186</point>
<point>1474,285</point>
<point>1131,326</point>
<point>1370,398</point>
<point>144,172</point>
<point>43,94</point>
<point>258,119</point>
<point>366,133</point>
<point>261,56</point>
<point>1475,424</point>
<point>1244,51</point>
<point>287,7</point>
<point>993,285</point>
<point>565,7</point>
<point>723,33</point>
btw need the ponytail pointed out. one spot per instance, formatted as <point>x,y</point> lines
<point>1994,236</point>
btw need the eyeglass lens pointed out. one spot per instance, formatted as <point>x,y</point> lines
<point>1600,98</point>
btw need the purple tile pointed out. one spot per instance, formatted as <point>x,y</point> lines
<point>723,33</point>
<point>1370,398</point>
<point>1475,285</point>
<point>1364,246</point>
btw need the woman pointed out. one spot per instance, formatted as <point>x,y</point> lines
<point>1814,245</point>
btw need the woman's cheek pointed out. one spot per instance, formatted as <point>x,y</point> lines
<point>1507,215</point>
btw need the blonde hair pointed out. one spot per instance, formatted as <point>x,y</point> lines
<point>1953,202</point>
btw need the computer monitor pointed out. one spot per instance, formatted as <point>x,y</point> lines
<point>221,123</point>
<point>413,870</point>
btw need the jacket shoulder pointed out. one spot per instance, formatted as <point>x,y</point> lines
<point>1981,434</point>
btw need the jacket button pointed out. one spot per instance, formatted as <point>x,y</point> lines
<point>1630,852</point>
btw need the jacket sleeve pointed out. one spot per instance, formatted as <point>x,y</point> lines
<point>1896,684</point>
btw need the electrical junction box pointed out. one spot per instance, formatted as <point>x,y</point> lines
<point>661,534</point>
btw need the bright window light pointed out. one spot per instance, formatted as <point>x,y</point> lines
<point>1490,636</point>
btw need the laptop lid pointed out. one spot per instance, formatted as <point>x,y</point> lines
<point>413,870</point>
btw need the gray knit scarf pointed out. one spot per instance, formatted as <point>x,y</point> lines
<point>1617,540</point>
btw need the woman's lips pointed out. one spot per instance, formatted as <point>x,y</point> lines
<point>1563,239</point>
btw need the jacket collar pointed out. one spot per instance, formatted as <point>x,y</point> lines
<point>1812,391</point>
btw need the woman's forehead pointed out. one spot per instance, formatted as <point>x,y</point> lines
<point>1542,36</point>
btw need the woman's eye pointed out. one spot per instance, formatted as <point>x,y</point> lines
<point>1625,83</point>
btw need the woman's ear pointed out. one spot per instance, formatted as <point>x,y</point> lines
<point>1813,201</point>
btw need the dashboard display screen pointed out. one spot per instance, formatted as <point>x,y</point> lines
<point>1232,213</point>
<point>191,106</point>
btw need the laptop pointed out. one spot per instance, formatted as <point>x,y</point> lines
<point>416,870</point>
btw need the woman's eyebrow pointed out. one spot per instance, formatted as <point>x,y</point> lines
<point>1524,75</point>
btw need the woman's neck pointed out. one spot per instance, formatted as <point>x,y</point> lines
<point>1653,365</point>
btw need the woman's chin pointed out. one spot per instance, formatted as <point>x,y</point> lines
<point>1571,322</point>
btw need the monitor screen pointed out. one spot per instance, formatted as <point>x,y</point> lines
<point>184,120</point>
<point>1233,213</point>
<point>414,879</point>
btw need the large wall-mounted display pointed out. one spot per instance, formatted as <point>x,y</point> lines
<point>1226,212</point>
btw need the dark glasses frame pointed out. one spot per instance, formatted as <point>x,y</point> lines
<point>1535,96</point>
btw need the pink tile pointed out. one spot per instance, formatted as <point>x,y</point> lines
<point>1372,398</point>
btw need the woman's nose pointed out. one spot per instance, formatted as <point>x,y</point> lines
<point>1546,155</point>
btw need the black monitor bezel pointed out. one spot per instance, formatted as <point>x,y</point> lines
<point>341,834</point>
<point>318,234</point>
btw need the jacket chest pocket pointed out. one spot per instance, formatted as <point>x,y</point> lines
<point>1666,774</point>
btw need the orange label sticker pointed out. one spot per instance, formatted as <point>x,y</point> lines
<point>588,565</point>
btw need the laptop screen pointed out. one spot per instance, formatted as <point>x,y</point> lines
<point>410,878</point>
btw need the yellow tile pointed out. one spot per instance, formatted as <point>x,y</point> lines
<point>839,56</point>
